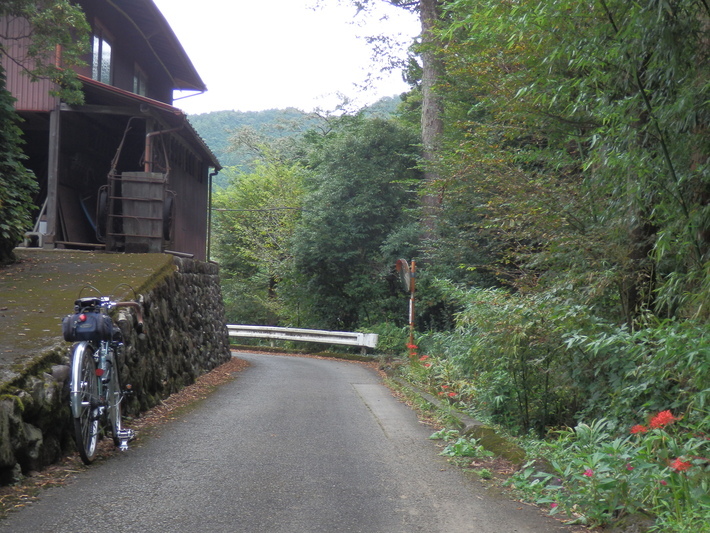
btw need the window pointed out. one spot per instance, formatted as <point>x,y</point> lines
<point>140,81</point>
<point>101,62</point>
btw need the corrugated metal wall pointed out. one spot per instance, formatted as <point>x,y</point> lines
<point>190,225</point>
<point>31,96</point>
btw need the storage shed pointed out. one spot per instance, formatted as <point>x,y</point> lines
<point>125,171</point>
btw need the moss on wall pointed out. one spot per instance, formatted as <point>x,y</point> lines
<point>185,337</point>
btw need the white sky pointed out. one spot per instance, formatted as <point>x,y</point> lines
<point>273,54</point>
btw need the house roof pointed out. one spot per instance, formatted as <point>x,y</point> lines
<point>151,23</point>
<point>170,115</point>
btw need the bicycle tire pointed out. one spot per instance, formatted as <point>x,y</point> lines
<point>85,401</point>
<point>115,397</point>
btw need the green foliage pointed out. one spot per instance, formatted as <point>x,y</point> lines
<point>599,475</point>
<point>465,448</point>
<point>391,337</point>
<point>254,221</point>
<point>54,23</point>
<point>510,348</point>
<point>530,362</point>
<point>357,197</point>
<point>575,156</point>
<point>458,446</point>
<point>17,184</point>
<point>238,137</point>
<point>623,374</point>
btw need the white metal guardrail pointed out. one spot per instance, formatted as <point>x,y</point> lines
<point>363,340</point>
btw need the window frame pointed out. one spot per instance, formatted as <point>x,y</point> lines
<point>102,55</point>
<point>140,81</point>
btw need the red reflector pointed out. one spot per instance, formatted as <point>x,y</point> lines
<point>82,317</point>
<point>99,372</point>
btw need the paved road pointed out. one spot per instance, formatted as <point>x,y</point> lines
<point>292,445</point>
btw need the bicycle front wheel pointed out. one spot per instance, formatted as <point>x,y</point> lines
<point>85,401</point>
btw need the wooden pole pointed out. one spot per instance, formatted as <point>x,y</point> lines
<point>412,287</point>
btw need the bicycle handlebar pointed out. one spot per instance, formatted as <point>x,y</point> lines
<point>104,302</point>
<point>137,308</point>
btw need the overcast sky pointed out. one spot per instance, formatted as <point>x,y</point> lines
<point>273,54</point>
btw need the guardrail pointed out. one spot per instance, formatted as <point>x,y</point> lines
<point>363,340</point>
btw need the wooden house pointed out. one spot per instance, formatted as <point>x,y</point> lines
<point>125,171</point>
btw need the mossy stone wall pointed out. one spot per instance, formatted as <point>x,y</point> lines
<point>185,336</point>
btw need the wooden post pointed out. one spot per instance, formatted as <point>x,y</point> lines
<point>53,178</point>
<point>412,287</point>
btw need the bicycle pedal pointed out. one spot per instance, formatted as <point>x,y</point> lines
<point>124,437</point>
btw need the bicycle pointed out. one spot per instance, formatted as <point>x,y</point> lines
<point>95,388</point>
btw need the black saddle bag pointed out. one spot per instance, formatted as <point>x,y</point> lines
<point>91,326</point>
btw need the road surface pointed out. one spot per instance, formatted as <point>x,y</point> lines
<point>292,445</point>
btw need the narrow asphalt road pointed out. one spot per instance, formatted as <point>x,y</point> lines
<point>292,445</point>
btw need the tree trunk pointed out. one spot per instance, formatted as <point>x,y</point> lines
<point>432,111</point>
<point>639,281</point>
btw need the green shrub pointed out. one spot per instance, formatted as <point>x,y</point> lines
<point>392,339</point>
<point>599,474</point>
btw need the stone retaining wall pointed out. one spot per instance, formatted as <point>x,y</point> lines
<point>185,336</point>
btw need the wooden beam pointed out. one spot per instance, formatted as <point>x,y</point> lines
<point>109,110</point>
<point>53,176</point>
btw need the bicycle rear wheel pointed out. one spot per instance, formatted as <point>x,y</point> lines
<point>85,401</point>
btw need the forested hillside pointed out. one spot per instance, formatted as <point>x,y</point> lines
<point>220,127</point>
<point>232,134</point>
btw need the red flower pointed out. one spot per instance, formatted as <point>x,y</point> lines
<point>680,466</point>
<point>629,467</point>
<point>664,482</point>
<point>553,505</point>
<point>638,428</point>
<point>452,395</point>
<point>589,472</point>
<point>427,365</point>
<point>444,386</point>
<point>412,346</point>
<point>424,358</point>
<point>662,419</point>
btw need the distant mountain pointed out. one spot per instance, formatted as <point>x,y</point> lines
<point>219,127</point>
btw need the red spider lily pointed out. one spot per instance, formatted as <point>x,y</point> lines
<point>638,428</point>
<point>662,419</point>
<point>412,346</point>
<point>680,466</point>
<point>424,358</point>
<point>452,395</point>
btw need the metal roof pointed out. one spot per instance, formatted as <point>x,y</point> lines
<point>151,23</point>
<point>172,116</point>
